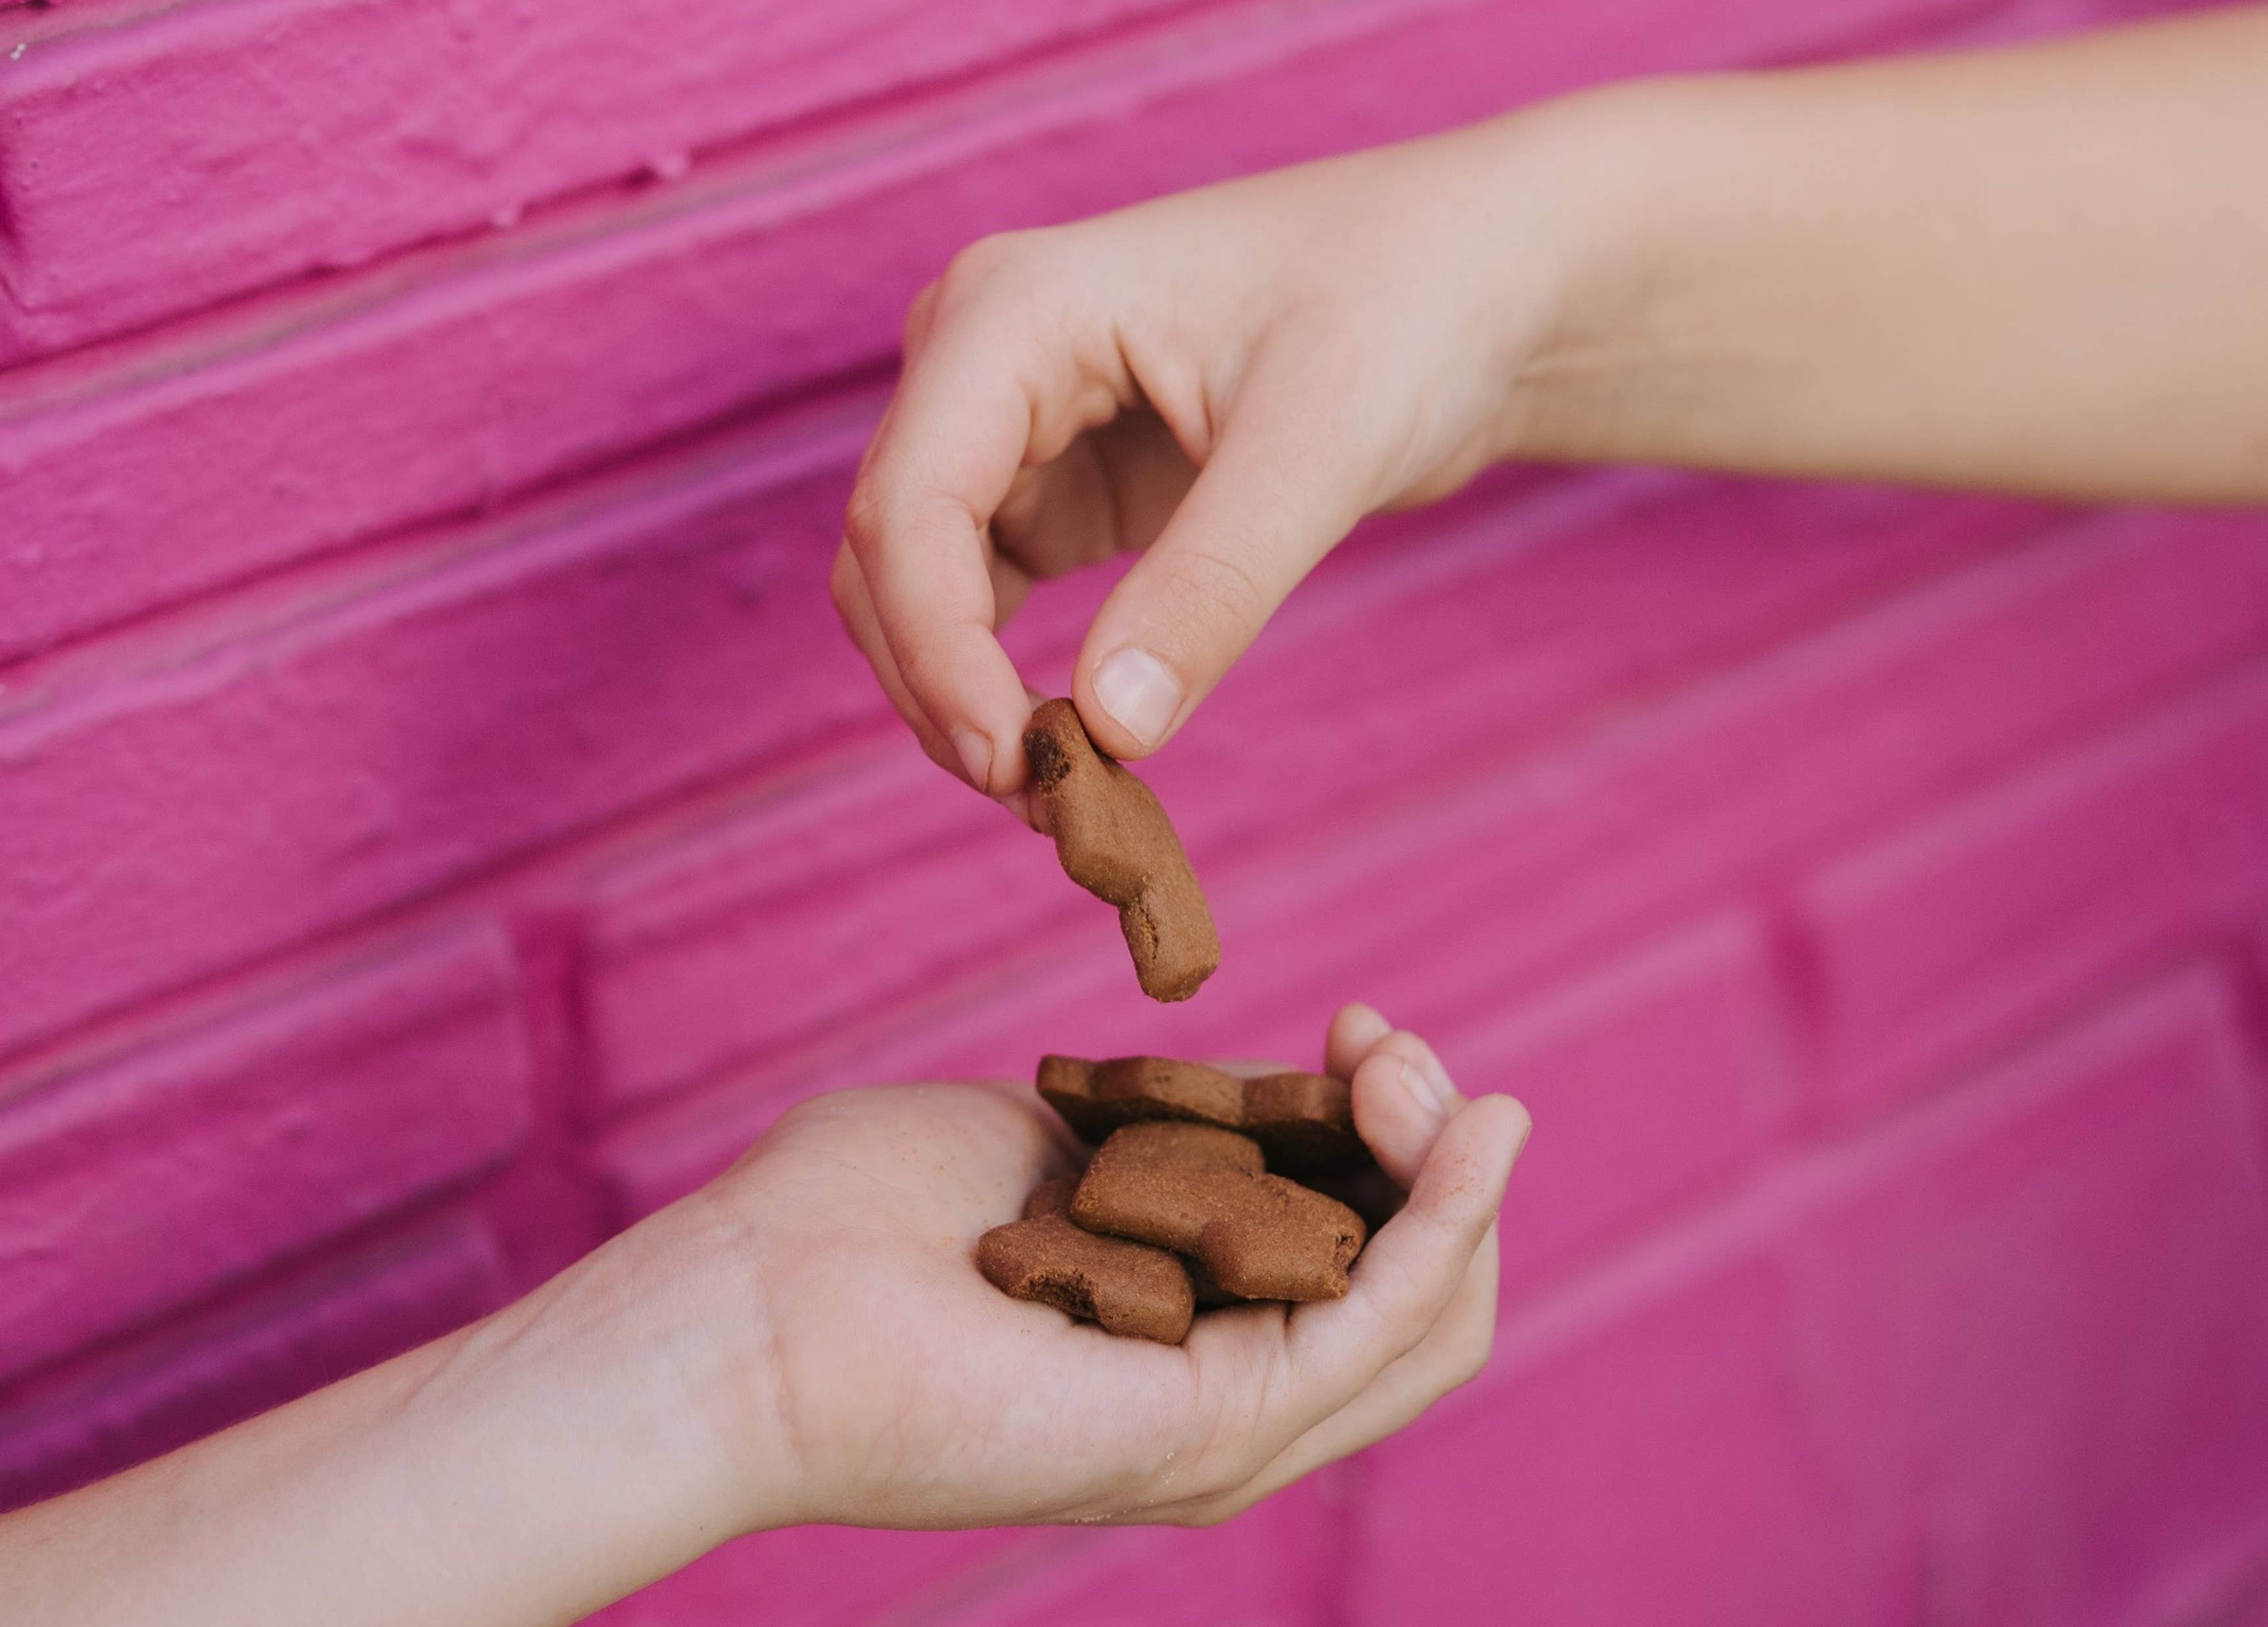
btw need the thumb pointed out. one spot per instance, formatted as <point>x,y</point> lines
<point>1274,497</point>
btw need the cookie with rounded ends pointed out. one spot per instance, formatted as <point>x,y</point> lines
<point>1303,1122</point>
<point>1206,1193</point>
<point>1053,1197</point>
<point>1131,1288</point>
<point>1115,840</point>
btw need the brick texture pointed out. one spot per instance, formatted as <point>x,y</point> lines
<point>440,820</point>
<point>134,1186</point>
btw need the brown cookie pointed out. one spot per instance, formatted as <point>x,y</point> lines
<point>1303,1122</point>
<point>1053,1197</point>
<point>1204,1192</point>
<point>1116,842</point>
<point>1131,1288</point>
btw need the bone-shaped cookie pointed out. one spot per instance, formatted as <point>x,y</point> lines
<point>1303,1122</point>
<point>1131,1288</point>
<point>1206,1193</point>
<point>1115,840</point>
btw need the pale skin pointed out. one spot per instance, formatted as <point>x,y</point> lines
<point>2039,269</point>
<point>806,1339</point>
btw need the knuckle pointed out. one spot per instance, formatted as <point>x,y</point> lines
<point>1211,592</point>
<point>980,265</point>
<point>865,520</point>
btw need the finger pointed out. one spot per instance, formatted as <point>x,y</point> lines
<point>981,399</point>
<point>1353,1032</point>
<point>1272,500</point>
<point>1275,1376</point>
<point>855,605</point>
<point>1452,1354</point>
<point>1111,492</point>
<point>1406,1278</point>
<point>1402,1097</point>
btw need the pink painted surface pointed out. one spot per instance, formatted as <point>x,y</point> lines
<point>439,819</point>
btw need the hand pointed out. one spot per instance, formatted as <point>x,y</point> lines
<point>1224,381</point>
<point>907,1391</point>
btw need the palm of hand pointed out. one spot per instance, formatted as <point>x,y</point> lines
<point>912,1393</point>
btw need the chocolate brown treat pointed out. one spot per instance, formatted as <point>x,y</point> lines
<point>1116,842</point>
<point>1205,1193</point>
<point>1050,1197</point>
<point>1053,1197</point>
<point>1303,1122</point>
<point>1131,1288</point>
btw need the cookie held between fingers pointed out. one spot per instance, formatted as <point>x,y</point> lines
<point>1115,840</point>
<point>1303,1122</point>
<point>1204,1192</point>
<point>1131,1288</point>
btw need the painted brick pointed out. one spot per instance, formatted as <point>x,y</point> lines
<point>870,886</point>
<point>210,1371</point>
<point>1519,622</point>
<point>1650,1081</point>
<point>2045,1309</point>
<point>1659,1471</point>
<point>2023,899</point>
<point>1483,891</point>
<point>159,825</point>
<point>440,382</point>
<point>1747,781</point>
<point>1524,612</point>
<point>140,1186</point>
<point>323,133</point>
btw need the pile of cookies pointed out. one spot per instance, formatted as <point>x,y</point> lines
<point>1188,1199</point>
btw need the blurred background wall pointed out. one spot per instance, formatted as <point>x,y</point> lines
<point>440,821</point>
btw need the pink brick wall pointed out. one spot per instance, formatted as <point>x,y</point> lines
<point>439,821</point>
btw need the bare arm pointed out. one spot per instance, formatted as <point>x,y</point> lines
<point>807,1339</point>
<point>2042,269</point>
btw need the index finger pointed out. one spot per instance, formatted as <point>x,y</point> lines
<point>941,462</point>
<point>991,388</point>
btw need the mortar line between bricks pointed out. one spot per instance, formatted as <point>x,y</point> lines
<point>1039,70</point>
<point>1698,1241</point>
<point>186,1006</point>
<point>1579,501</point>
<point>1945,1079</point>
<point>468,890</point>
<point>361,563</point>
<point>1877,822</point>
<point>427,1212</point>
<point>1023,944</point>
<point>775,1070</point>
<point>825,132</point>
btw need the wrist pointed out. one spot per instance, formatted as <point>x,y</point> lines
<point>674,1327</point>
<point>1614,189</point>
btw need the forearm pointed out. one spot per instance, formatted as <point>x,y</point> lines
<point>526,1469</point>
<point>2042,268</point>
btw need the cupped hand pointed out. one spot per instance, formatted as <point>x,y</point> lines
<point>902,1389</point>
<point>1225,382</point>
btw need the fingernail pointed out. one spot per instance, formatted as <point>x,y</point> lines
<point>975,756</point>
<point>1018,803</point>
<point>1140,693</point>
<point>1423,1091</point>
